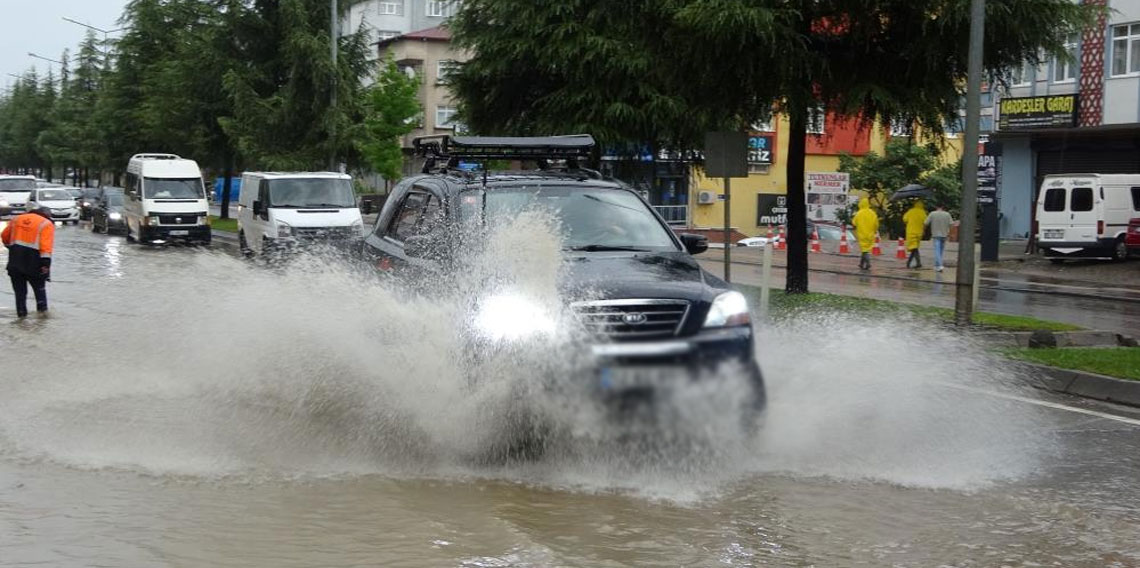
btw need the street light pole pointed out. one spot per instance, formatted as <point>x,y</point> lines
<point>964,291</point>
<point>106,41</point>
<point>333,32</point>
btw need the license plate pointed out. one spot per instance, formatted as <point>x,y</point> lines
<point>617,378</point>
<point>1055,234</point>
<point>179,233</point>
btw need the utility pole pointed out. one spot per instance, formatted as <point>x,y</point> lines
<point>334,30</point>
<point>964,291</point>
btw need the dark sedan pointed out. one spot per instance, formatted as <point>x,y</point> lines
<point>107,212</point>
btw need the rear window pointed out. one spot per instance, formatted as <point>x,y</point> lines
<point>1055,199</point>
<point>1136,199</point>
<point>1081,200</point>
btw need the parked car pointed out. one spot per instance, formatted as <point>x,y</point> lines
<point>1132,239</point>
<point>107,212</point>
<point>59,201</point>
<point>1086,215</point>
<point>631,283</point>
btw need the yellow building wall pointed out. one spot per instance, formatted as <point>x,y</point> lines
<point>745,190</point>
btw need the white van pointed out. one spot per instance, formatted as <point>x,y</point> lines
<point>14,194</point>
<point>165,200</point>
<point>281,210</point>
<point>1086,215</point>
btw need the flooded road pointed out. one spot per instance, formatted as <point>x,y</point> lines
<point>182,407</point>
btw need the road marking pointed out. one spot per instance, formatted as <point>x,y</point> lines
<point>1047,404</point>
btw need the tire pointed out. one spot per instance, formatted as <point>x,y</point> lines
<point>94,227</point>
<point>1119,251</point>
<point>243,245</point>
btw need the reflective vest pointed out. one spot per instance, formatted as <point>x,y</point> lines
<point>29,239</point>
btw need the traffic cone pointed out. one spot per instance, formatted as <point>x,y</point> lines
<point>769,232</point>
<point>901,252</point>
<point>815,241</point>
<point>781,243</point>
<point>877,250</point>
<point>843,248</point>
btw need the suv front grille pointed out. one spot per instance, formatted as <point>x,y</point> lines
<point>633,319</point>
<point>179,218</point>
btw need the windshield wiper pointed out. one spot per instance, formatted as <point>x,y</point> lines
<point>337,205</point>
<point>598,248</point>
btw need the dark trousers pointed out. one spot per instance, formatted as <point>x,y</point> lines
<point>20,287</point>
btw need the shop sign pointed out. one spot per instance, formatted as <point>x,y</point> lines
<point>1053,111</point>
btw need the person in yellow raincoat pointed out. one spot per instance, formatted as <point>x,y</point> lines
<point>866,223</point>
<point>915,220</point>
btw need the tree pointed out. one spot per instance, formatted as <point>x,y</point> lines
<point>392,104</point>
<point>727,62</point>
<point>281,90</point>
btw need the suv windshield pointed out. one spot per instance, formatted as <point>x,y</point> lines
<point>311,192</point>
<point>53,195</point>
<point>17,184</point>
<point>169,188</point>
<point>590,218</point>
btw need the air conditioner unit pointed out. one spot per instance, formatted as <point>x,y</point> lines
<point>706,197</point>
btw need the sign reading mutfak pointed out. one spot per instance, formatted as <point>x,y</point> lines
<point>1053,111</point>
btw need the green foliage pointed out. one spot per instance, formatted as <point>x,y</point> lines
<point>902,163</point>
<point>392,104</point>
<point>1122,362</point>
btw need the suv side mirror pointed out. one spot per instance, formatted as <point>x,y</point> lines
<point>695,244</point>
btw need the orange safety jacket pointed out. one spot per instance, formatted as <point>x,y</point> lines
<point>29,238</point>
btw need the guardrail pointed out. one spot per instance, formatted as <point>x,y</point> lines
<point>673,214</point>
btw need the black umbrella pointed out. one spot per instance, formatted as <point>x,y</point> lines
<point>911,190</point>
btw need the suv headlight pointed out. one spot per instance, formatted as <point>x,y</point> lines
<point>204,220</point>
<point>728,309</point>
<point>152,220</point>
<point>510,317</point>
<point>284,230</point>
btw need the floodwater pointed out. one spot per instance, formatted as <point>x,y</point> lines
<point>182,407</point>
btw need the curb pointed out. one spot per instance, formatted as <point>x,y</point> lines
<point>1056,338</point>
<point>225,237</point>
<point>1082,384</point>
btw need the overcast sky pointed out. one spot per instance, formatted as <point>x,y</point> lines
<point>38,26</point>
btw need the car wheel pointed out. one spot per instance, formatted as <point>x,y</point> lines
<point>1120,251</point>
<point>243,245</point>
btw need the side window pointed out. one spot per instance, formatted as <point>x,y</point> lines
<point>132,185</point>
<point>1055,199</point>
<point>1136,199</point>
<point>1081,199</point>
<point>263,192</point>
<point>407,218</point>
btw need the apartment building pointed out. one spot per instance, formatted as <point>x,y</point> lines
<point>1071,116</point>
<point>386,19</point>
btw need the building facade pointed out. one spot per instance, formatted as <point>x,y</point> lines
<point>386,19</point>
<point>1075,116</point>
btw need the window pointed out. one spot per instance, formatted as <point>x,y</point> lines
<point>953,127</point>
<point>815,120</point>
<point>1065,69</point>
<point>1055,199</point>
<point>1023,75</point>
<point>1126,50</point>
<point>383,35</point>
<point>407,221</point>
<point>986,123</point>
<point>763,126</point>
<point>1081,199</point>
<point>1136,199</point>
<point>439,8</point>
<point>444,69</point>
<point>900,128</point>
<point>390,8</point>
<point>445,117</point>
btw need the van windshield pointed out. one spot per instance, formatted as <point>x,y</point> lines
<point>171,188</point>
<point>311,192</point>
<point>17,185</point>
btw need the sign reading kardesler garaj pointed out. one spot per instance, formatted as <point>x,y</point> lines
<point>1050,111</point>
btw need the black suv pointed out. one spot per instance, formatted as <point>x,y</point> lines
<point>630,281</point>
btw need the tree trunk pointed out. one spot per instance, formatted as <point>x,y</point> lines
<point>227,183</point>
<point>796,281</point>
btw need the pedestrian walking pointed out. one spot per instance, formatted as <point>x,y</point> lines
<point>939,222</point>
<point>29,239</point>
<point>915,220</point>
<point>866,223</point>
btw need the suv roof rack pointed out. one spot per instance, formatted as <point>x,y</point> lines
<point>454,149</point>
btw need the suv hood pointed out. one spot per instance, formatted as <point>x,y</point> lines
<point>614,275</point>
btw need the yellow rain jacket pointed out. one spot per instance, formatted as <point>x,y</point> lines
<point>866,223</point>
<point>915,220</point>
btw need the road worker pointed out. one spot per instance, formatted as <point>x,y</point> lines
<point>29,239</point>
